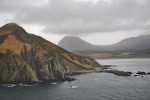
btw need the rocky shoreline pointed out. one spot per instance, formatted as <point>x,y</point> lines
<point>109,69</point>
<point>70,75</point>
<point>106,69</point>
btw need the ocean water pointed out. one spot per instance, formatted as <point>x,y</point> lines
<point>92,86</point>
<point>133,65</point>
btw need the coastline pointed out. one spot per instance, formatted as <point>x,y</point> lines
<point>109,58</point>
<point>104,68</point>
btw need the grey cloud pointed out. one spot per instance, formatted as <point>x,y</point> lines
<point>72,17</point>
<point>7,6</point>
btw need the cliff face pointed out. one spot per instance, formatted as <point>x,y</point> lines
<point>28,58</point>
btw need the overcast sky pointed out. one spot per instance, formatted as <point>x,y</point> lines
<point>96,21</point>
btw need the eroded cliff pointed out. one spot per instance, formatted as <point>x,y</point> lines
<point>26,58</point>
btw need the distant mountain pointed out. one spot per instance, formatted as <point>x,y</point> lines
<point>134,44</point>
<point>27,58</point>
<point>72,43</point>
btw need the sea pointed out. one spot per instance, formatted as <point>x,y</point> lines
<point>91,86</point>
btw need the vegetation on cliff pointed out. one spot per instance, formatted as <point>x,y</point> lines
<point>28,58</point>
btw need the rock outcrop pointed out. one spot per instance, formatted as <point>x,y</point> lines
<point>141,73</point>
<point>119,73</point>
<point>26,58</point>
<point>148,73</point>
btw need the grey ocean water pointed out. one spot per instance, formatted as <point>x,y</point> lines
<point>133,65</point>
<point>93,86</point>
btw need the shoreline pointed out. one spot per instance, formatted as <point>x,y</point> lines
<point>122,58</point>
<point>76,73</point>
<point>71,75</point>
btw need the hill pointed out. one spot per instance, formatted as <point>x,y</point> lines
<point>139,45</point>
<point>27,58</point>
<point>134,43</point>
<point>72,43</point>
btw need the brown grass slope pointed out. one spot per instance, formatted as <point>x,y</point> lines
<point>26,57</point>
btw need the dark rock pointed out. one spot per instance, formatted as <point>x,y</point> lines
<point>73,73</point>
<point>2,38</point>
<point>148,73</point>
<point>119,73</point>
<point>104,67</point>
<point>107,66</point>
<point>69,79</point>
<point>136,75</point>
<point>141,73</point>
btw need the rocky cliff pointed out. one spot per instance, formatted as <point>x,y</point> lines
<point>26,58</point>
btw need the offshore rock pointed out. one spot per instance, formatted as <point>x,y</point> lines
<point>119,73</point>
<point>141,73</point>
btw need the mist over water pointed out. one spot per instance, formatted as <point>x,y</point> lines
<point>93,86</point>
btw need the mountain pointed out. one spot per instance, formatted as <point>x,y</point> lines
<point>27,58</point>
<point>134,43</point>
<point>139,44</point>
<point>72,43</point>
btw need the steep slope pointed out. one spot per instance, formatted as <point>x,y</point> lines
<point>28,58</point>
